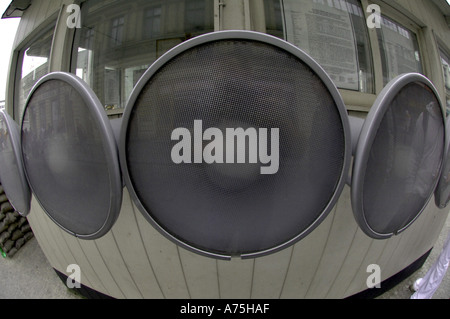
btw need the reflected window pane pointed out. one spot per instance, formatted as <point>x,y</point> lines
<point>334,33</point>
<point>399,50</point>
<point>153,22</point>
<point>117,31</point>
<point>35,65</point>
<point>120,39</point>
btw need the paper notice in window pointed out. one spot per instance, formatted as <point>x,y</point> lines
<point>324,30</point>
<point>400,49</point>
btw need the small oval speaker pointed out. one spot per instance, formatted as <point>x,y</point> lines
<point>70,156</point>
<point>235,143</point>
<point>399,156</point>
<point>442,194</point>
<point>12,175</point>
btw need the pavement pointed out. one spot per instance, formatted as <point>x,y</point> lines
<point>402,290</point>
<point>28,275</point>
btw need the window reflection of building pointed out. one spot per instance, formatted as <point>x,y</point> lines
<point>152,23</point>
<point>120,39</point>
<point>117,31</point>
<point>34,66</point>
<point>334,33</point>
<point>194,18</point>
<point>274,18</point>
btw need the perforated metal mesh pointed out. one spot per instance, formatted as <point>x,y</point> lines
<point>65,159</point>
<point>405,160</point>
<point>232,208</point>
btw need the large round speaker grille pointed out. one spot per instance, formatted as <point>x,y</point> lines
<point>70,156</point>
<point>12,175</point>
<point>399,157</point>
<point>223,195</point>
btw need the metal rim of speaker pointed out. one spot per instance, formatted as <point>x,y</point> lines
<point>12,174</point>
<point>442,194</point>
<point>109,150</point>
<point>245,36</point>
<point>369,132</point>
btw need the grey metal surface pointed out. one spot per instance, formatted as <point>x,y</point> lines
<point>442,194</point>
<point>236,79</point>
<point>399,156</point>
<point>70,156</point>
<point>12,175</point>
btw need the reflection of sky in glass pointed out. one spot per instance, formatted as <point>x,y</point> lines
<point>31,63</point>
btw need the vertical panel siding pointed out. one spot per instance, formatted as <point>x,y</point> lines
<point>163,257</point>
<point>270,274</point>
<point>200,275</point>
<point>305,260</point>
<point>235,278</point>
<point>135,261</point>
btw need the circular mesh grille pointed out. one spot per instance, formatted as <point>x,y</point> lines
<point>404,161</point>
<point>12,175</point>
<point>65,159</point>
<point>229,208</point>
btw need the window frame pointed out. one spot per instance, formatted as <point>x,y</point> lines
<point>355,101</point>
<point>410,23</point>
<point>70,49</point>
<point>20,54</point>
<point>146,19</point>
<point>362,102</point>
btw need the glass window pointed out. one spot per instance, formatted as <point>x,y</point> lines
<point>445,59</point>
<point>152,22</point>
<point>399,50</point>
<point>274,18</point>
<point>34,64</point>
<point>195,13</point>
<point>333,32</point>
<point>117,31</point>
<point>120,39</point>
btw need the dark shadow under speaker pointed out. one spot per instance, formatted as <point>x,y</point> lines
<point>12,175</point>
<point>398,157</point>
<point>70,156</point>
<point>235,143</point>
